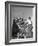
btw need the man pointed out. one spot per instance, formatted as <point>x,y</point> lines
<point>29,28</point>
<point>15,29</point>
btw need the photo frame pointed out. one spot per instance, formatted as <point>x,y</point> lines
<point>20,11</point>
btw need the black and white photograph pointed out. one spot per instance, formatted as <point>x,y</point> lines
<point>20,22</point>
